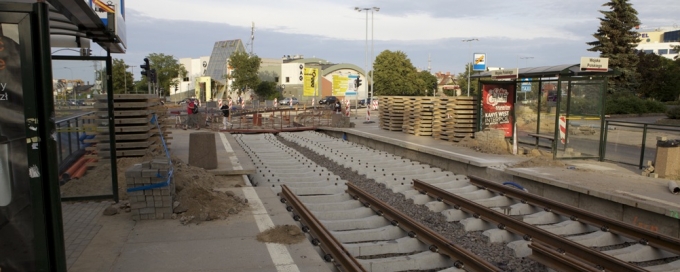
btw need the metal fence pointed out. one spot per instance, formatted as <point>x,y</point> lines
<point>70,130</point>
<point>634,143</point>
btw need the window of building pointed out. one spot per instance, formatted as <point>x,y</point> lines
<point>672,51</point>
<point>276,79</point>
<point>287,79</point>
<point>186,79</point>
<point>663,51</point>
<point>671,36</point>
<point>648,51</point>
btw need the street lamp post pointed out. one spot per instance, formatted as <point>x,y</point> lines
<point>73,87</point>
<point>374,9</point>
<point>356,105</point>
<point>469,64</point>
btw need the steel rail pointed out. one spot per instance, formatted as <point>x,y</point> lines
<point>333,249</point>
<point>528,231</point>
<point>557,260</point>
<point>645,237</point>
<point>464,259</point>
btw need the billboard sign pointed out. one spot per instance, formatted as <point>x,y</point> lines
<point>497,105</point>
<point>103,7</point>
<point>340,85</point>
<point>479,62</point>
<point>310,81</point>
<point>351,85</point>
<point>504,74</point>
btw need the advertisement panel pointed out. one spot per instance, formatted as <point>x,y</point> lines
<point>497,105</point>
<point>479,62</point>
<point>310,81</point>
<point>351,85</point>
<point>117,7</point>
<point>340,85</point>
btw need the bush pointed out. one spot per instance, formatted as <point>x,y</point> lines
<point>630,104</point>
<point>673,113</point>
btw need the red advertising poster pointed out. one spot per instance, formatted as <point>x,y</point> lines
<point>497,105</point>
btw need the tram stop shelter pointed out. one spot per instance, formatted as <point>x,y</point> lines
<point>31,142</point>
<point>560,107</point>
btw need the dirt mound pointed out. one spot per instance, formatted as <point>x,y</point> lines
<point>540,160</point>
<point>198,201</point>
<point>491,147</point>
<point>285,234</point>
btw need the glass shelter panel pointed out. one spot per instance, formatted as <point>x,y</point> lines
<point>81,109</point>
<point>527,110</point>
<point>579,120</point>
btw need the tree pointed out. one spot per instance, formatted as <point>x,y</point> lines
<point>462,81</point>
<point>429,82</point>
<point>245,73</point>
<point>122,79</point>
<point>267,90</point>
<point>167,70</point>
<point>616,40</point>
<point>395,75</point>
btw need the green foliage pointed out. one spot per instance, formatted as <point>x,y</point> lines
<point>462,81</point>
<point>673,113</point>
<point>245,73</point>
<point>630,104</point>
<point>616,40</point>
<point>267,90</point>
<point>429,82</point>
<point>122,79</point>
<point>395,75</point>
<point>167,71</point>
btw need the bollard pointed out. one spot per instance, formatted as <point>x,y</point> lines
<point>203,150</point>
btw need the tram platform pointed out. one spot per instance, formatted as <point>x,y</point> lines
<point>116,243</point>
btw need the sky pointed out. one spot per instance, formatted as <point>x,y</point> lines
<point>525,33</point>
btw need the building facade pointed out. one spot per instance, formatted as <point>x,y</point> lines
<point>659,41</point>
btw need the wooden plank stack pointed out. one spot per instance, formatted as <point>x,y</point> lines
<point>135,135</point>
<point>419,116</point>
<point>392,112</point>
<point>459,118</point>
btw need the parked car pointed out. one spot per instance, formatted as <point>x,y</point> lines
<point>328,100</point>
<point>286,101</point>
<point>364,102</point>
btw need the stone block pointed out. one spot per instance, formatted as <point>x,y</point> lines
<point>167,215</point>
<point>141,181</point>
<point>159,215</point>
<point>148,192</point>
<point>134,171</point>
<point>146,165</point>
<point>147,210</point>
<point>667,162</point>
<point>137,205</point>
<point>167,199</point>
<point>150,173</point>
<point>158,204</point>
<point>157,192</point>
<point>203,150</point>
<point>144,217</point>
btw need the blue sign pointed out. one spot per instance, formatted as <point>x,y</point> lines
<point>479,62</point>
<point>526,85</point>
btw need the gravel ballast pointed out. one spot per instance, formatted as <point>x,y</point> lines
<point>496,253</point>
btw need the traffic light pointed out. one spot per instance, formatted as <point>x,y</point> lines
<point>358,81</point>
<point>145,68</point>
<point>152,76</point>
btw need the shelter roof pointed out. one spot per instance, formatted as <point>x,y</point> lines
<point>551,71</point>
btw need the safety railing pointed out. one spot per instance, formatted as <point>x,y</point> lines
<point>70,135</point>
<point>634,143</point>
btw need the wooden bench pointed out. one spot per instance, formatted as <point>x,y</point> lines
<point>551,138</point>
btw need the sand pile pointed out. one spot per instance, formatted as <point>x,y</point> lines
<point>282,234</point>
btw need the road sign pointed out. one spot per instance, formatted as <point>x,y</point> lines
<point>594,64</point>
<point>526,85</point>
<point>479,62</point>
<point>350,93</point>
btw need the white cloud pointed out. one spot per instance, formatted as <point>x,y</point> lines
<point>338,20</point>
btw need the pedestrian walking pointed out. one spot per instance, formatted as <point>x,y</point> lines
<point>225,116</point>
<point>338,107</point>
<point>192,114</point>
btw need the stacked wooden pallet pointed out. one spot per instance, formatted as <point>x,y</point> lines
<point>441,120</point>
<point>135,133</point>
<point>460,118</point>
<point>392,112</point>
<point>419,116</point>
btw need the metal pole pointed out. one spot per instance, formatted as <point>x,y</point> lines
<point>372,92</point>
<point>469,64</point>
<point>73,87</point>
